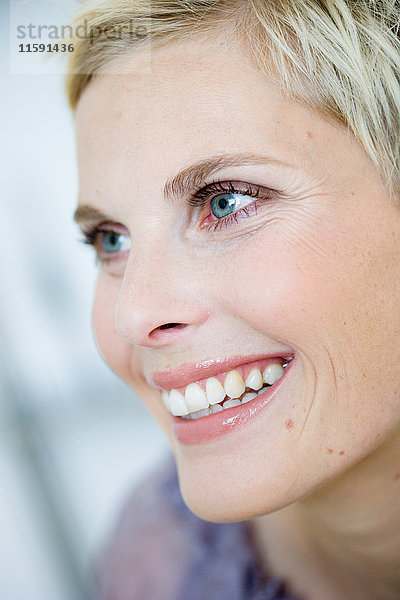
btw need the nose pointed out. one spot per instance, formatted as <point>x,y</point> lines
<point>159,302</point>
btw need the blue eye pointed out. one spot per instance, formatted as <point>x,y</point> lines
<point>223,205</point>
<point>113,242</point>
<point>228,203</point>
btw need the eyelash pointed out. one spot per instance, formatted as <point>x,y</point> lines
<point>199,200</point>
<point>206,194</point>
<point>90,235</point>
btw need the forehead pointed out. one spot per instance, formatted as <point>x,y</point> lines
<point>197,99</point>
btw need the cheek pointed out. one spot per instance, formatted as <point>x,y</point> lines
<point>275,287</point>
<point>333,295</point>
<point>122,357</point>
<point>318,282</point>
<point>114,349</point>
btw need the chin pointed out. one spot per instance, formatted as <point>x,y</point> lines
<point>218,496</point>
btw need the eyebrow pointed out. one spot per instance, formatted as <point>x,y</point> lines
<point>189,179</point>
<point>85,212</point>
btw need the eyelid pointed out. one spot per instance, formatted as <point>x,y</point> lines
<point>90,229</point>
<point>204,196</point>
<point>200,197</point>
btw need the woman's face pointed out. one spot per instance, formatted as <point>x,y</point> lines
<point>293,256</point>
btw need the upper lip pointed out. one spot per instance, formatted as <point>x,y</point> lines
<point>194,371</point>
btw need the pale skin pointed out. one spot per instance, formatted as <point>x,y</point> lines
<point>316,271</point>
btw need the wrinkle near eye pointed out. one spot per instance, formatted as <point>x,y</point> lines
<point>306,226</point>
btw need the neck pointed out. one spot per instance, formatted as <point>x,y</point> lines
<point>343,541</point>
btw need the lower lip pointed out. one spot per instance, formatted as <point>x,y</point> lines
<point>205,429</point>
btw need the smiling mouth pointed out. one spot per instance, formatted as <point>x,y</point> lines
<point>226,390</point>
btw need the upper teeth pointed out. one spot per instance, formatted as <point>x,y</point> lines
<point>254,379</point>
<point>215,391</point>
<point>197,402</point>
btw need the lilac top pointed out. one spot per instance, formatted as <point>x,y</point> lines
<point>162,551</point>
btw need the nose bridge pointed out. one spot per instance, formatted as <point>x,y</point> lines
<point>159,300</point>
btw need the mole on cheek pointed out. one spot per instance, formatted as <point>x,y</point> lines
<point>330,451</point>
<point>396,477</point>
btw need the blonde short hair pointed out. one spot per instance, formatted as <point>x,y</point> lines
<point>338,57</point>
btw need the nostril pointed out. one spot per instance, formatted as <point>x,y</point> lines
<point>170,325</point>
<point>158,334</point>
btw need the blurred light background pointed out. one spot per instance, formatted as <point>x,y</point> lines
<point>73,439</point>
